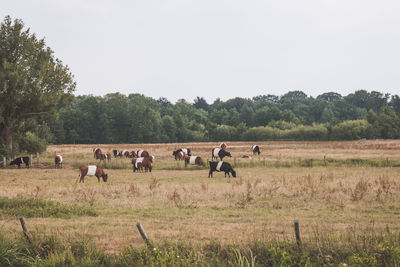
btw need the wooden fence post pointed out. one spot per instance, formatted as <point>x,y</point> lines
<point>31,159</point>
<point>297,232</point>
<point>37,158</point>
<point>22,220</point>
<point>4,162</point>
<point>144,236</point>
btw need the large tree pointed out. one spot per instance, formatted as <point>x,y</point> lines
<point>32,81</point>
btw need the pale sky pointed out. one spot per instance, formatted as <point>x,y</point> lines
<point>215,48</point>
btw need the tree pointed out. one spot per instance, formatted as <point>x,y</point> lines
<point>32,81</point>
<point>200,102</point>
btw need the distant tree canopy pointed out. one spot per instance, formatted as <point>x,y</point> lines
<point>117,118</point>
<point>33,84</point>
<point>37,107</point>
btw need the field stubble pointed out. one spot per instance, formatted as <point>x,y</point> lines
<point>175,204</point>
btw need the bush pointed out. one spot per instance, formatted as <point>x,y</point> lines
<point>31,143</point>
<point>350,130</point>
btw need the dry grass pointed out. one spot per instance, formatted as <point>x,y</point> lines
<point>185,205</point>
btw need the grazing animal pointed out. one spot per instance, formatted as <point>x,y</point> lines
<point>194,160</point>
<point>184,150</point>
<point>180,155</point>
<point>144,162</point>
<point>256,149</point>
<point>106,156</point>
<point>19,161</point>
<point>142,153</point>
<point>117,153</point>
<point>222,146</point>
<point>97,152</point>
<point>125,153</point>
<point>92,170</point>
<point>133,154</point>
<point>219,153</point>
<point>221,166</point>
<point>58,161</point>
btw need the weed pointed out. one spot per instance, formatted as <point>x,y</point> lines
<point>359,190</point>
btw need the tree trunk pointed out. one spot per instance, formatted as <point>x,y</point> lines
<point>9,140</point>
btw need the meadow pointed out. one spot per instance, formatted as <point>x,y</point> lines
<point>335,190</point>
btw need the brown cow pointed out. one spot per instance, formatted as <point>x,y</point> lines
<point>97,152</point>
<point>58,161</point>
<point>180,155</point>
<point>106,156</point>
<point>98,172</point>
<point>222,146</point>
<point>139,163</point>
<point>142,153</point>
<point>194,160</point>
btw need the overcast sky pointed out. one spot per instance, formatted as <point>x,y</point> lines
<point>216,48</point>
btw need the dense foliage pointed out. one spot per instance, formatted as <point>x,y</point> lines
<point>117,118</point>
<point>33,83</point>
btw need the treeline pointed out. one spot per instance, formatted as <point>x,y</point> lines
<point>117,118</point>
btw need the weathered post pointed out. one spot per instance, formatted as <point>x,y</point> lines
<point>325,160</point>
<point>4,162</point>
<point>297,232</point>
<point>144,236</point>
<point>37,157</point>
<point>22,220</point>
<point>30,159</point>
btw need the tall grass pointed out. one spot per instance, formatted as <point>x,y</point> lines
<point>348,249</point>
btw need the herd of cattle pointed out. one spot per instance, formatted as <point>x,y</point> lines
<point>142,160</point>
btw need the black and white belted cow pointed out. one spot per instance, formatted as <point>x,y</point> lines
<point>256,149</point>
<point>117,153</point>
<point>219,153</point>
<point>176,154</point>
<point>19,161</point>
<point>221,166</point>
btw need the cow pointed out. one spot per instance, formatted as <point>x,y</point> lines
<point>184,150</point>
<point>222,146</point>
<point>97,152</point>
<point>19,161</point>
<point>106,156</point>
<point>117,153</point>
<point>256,149</point>
<point>144,162</point>
<point>219,153</point>
<point>58,161</point>
<point>221,166</point>
<point>180,155</point>
<point>194,160</point>
<point>125,153</point>
<point>92,170</point>
<point>142,153</point>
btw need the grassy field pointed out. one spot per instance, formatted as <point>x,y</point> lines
<point>332,188</point>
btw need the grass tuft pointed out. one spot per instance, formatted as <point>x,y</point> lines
<point>36,207</point>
